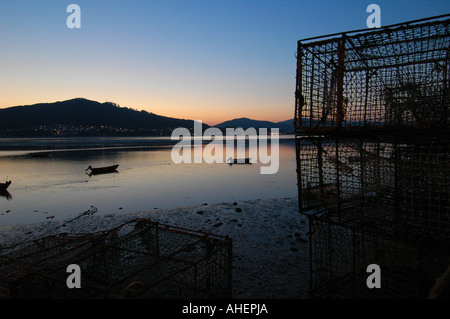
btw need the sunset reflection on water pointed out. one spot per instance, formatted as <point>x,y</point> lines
<point>58,187</point>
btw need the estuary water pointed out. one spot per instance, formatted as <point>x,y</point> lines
<point>57,186</point>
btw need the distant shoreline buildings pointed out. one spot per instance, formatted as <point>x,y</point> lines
<point>64,130</point>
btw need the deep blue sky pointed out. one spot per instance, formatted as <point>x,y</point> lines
<point>211,60</point>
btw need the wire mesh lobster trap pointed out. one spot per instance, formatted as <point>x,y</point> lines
<point>393,77</point>
<point>342,248</point>
<point>372,145</point>
<point>140,259</point>
<point>402,180</point>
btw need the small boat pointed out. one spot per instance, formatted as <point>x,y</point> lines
<point>232,161</point>
<point>4,186</point>
<point>39,154</point>
<point>102,170</point>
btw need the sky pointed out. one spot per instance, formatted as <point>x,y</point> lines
<point>208,60</point>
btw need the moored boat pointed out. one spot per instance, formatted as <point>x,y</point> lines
<point>39,154</point>
<point>239,161</point>
<point>102,170</point>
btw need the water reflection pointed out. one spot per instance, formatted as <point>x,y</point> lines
<point>6,194</point>
<point>101,173</point>
<point>57,185</point>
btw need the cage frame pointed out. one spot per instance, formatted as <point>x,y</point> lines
<point>333,208</point>
<point>388,185</point>
<point>347,57</point>
<point>339,270</point>
<point>102,254</point>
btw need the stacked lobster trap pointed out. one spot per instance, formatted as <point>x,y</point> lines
<point>372,139</point>
<point>139,259</point>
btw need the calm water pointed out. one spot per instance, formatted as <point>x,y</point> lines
<point>147,178</point>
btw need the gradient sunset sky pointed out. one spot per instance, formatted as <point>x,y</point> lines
<point>210,60</point>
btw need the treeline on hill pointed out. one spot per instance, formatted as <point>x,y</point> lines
<point>84,117</point>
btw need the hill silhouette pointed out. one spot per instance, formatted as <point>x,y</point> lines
<point>81,112</point>
<point>245,123</point>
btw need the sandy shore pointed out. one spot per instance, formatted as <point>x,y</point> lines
<point>270,242</point>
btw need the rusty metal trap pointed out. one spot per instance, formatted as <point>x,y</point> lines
<point>372,148</point>
<point>139,259</point>
<point>393,77</point>
<point>342,248</point>
<point>392,178</point>
<point>381,200</point>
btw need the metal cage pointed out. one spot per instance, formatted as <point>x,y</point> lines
<point>372,145</point>
<point>341,249</point>
<point>393,77</point>
<point>140,259</point>
<point>401,179</point>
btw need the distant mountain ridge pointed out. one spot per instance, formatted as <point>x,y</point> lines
<point>83,117</point>
<point>245,123</point>
<point>84,112</point>
<point>80,112</point>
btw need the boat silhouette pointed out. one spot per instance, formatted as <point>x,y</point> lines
<point>245,160</point>
<point>102,170</point>
<point>39,154</point>
<point>4,186</point>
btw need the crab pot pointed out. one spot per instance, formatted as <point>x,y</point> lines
<point>336,171</point>
<point>394,77</point>
<point>372,144</point>
<point>399,179</point>
<point>140,259</point>
<point>343,248</point>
